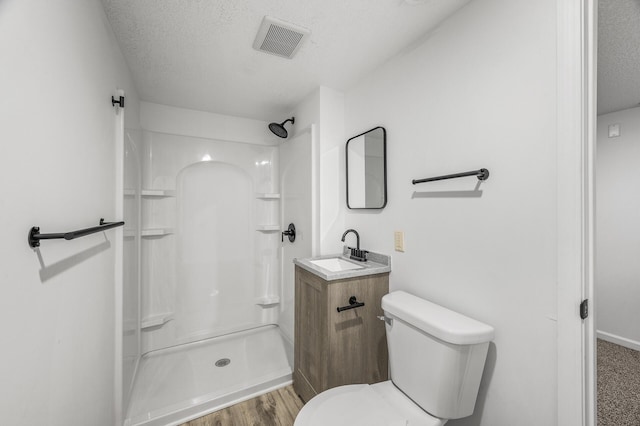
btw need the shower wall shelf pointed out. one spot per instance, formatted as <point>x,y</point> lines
<point>158,193</point>
<point>156,320</point>
<point>156,232</point>
<point>267,196</point>
<point>268,228</point>
<point>267,301</point>
<point>130,192</point>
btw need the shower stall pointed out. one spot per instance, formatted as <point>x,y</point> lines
<point>208,284</point>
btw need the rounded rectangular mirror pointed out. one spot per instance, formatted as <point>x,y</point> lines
<point>367,170</point>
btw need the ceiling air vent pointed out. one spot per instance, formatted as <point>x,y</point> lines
<point>279,38</point>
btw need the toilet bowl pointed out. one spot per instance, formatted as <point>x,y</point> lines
<point>381,404</point>
<point>436,360</point>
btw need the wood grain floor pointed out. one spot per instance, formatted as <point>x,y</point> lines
<point>277,408</point>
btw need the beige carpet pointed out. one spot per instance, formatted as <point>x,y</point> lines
<point>618,385</point>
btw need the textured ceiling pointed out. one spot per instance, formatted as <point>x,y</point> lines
<point>618,55</point>
<point>198,53</point>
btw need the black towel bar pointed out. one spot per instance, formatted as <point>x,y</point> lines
<point>35,236</point>
<point>482,174</point>
<point>353,303</point>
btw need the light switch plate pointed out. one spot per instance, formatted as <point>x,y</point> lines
<point>614,130</point>
<point>398,240</point>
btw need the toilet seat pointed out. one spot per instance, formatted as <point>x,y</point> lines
<point>381,404</point>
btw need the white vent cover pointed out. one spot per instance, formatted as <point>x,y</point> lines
<point>279,38</point>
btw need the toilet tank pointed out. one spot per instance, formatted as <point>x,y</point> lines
<point>436,355</point>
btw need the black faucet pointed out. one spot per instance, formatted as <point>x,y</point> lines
<point>356,253</point>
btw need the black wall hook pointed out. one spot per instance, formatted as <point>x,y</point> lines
<point>119,102</point>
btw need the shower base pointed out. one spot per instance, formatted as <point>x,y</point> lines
<point>181,383</point>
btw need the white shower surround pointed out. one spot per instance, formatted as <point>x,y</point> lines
<point>209,205</point>
<point>132,181</point>
<point>207,275</point>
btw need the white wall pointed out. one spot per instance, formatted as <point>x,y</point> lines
<point>617,276</point>
<point>201,124</point>
<point>59,66</point>
<point>325,108</point>
<point>332,171</point>
<point>479,92</point>
<point>307,114</point>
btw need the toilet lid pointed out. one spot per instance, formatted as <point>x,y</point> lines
<point>352,405</point>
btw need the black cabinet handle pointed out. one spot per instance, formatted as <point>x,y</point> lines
<point>353,303</point>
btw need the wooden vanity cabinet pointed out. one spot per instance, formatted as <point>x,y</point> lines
<point>337,348</point>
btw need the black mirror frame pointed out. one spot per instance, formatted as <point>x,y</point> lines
<point>384,152</point>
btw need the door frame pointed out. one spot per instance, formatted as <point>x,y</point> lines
<point>576,123</point>
<point>118,391</point>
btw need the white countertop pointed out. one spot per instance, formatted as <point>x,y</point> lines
<point>376,264</point>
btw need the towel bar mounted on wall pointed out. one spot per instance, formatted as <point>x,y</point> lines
<point>35,236</point>
<point>482,174</point>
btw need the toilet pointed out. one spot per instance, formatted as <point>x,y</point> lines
<point>436,359</point>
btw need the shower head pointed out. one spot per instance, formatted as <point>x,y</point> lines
<point>278,128</point>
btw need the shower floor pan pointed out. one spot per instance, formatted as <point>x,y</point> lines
<point>181,383</point>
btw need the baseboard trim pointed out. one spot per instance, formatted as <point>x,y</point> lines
<point>622,341</point>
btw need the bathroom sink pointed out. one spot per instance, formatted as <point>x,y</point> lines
<point>335,264</point>
<point>338,266</point>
